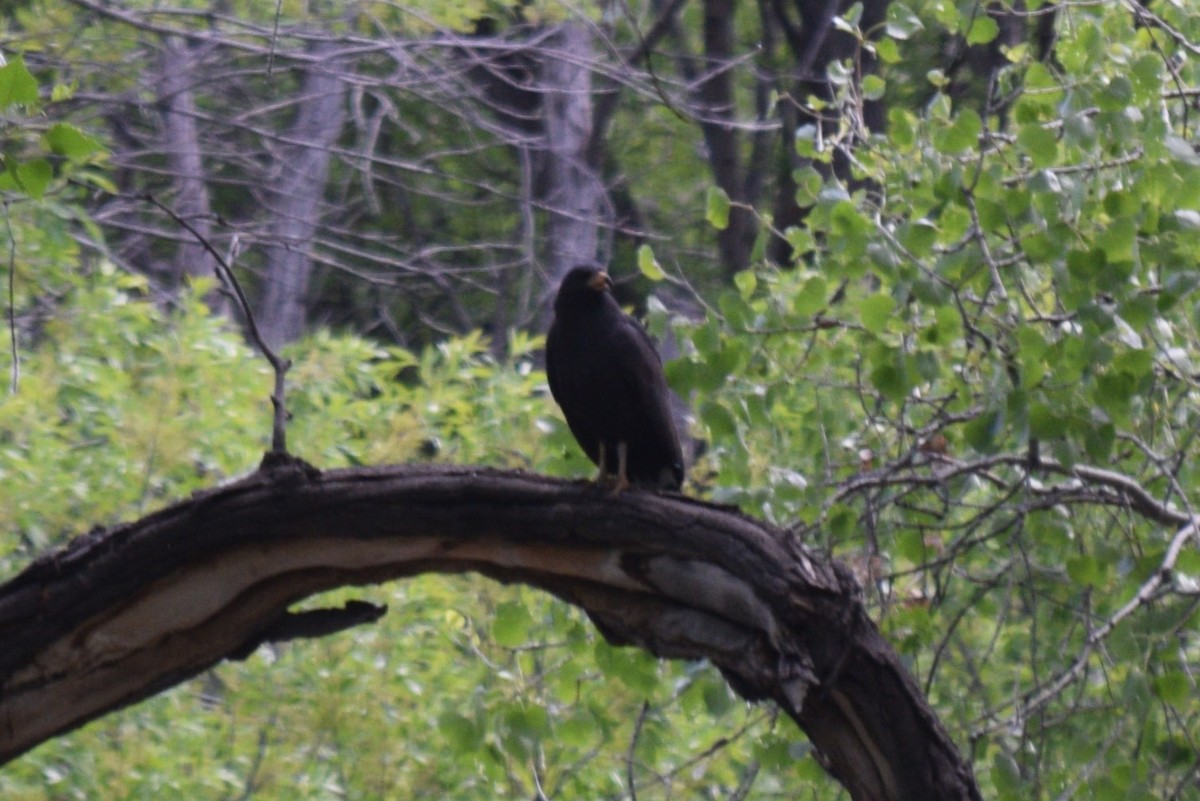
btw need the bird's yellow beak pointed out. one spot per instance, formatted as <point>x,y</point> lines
<point>600,282</point>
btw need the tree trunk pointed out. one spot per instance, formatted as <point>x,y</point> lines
<point>574,192</point>
<point>119,615</point>
<point>181,143</point>
<point>294,203</point>
<point>718,110</point>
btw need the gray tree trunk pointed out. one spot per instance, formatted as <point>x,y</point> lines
<point>574,191</point>
<point>181,144</point>
<point>294,202</point>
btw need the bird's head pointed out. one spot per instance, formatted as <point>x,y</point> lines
<point>583,285</point>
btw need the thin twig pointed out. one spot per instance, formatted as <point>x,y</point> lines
<point>274,38</point>
<point>1143,596</point>
<point>12,302</point>
<point>637,730</point>
<point>278,365</point>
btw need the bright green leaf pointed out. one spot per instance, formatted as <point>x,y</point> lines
<point>67,140</point>
<point>983,30</point>
<point>888,52</point>
<point>812,297</point>
<point>648,265</point>
<point>717,208</point>
<point>17,85</point>
<point>962,134</point>
<point>901,21</point>
<point>1039,143</point>
<point>875,312</point>
<point>745,281</point>
<point>34,176</point>
<point>1041,87</point>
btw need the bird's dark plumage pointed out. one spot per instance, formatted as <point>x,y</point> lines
<point>607,377</point>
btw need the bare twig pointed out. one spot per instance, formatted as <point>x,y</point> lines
<point>637,730</point>
<point>1143,596</point>
<point>12,302</point>
<point>279,365</point>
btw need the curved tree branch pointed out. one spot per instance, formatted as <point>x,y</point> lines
<point>121,614</point>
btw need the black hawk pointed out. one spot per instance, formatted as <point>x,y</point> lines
<point>607,377</point>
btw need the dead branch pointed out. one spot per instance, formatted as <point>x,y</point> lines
<point>124,613</point>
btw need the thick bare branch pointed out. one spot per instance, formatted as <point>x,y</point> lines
<point>122,614</point>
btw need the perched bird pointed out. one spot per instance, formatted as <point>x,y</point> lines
<point>608,379</point>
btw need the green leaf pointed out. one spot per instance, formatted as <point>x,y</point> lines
<point>876,311</point>
<point>946,12</point>
<point>1117,96</point>
<point>634,668</point>
<point>1117,239</point>
<point>1173,687</point>
<point>890,381</point>
<point>1044,423</point>
<point>648,265</point>
<point>962,134</point>
<point>62,92</point>
<point>511,625</point>
<point>808,186</point>
<point>983,30</point>
<point>981,433</point>
<point>873,87</point>
<point>34,176</point>
<point>1041,87</point>
<point>888,52</point>
<point>1085,569</point>
<point>800,240</point>
<point>1007,777</point>
<point>746,281</point>
<point>902,22</point>
<point>462,734</point>
<point>17,85</point>
<point>812,297</point>
<point>719,421</point>
<point>67,140</point>
<point>717,208</point>
<point>901,128</point>
<point>1039,143</point>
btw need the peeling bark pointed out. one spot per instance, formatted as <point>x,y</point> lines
<point>121,614</point>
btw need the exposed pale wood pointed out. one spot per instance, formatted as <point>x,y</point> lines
<point>121,614</point>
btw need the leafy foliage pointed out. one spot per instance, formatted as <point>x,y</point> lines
<point>993,303</point>
<point>465,689</point>
<point>984,350</point>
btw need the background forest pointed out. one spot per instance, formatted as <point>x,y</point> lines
<point>925,274</point>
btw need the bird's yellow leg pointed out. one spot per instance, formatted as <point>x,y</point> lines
<point>622,458</point>
<point>602,476</point>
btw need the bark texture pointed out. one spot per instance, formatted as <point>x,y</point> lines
<point>121,614</point>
